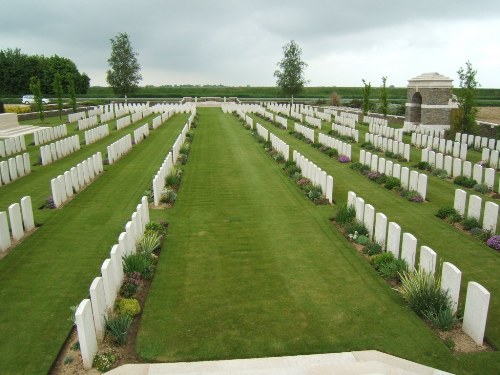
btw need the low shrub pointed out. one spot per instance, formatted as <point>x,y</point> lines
<point>138,262</point>
<point>445,212</point>
<point>481,188</point>
<point>182,159</point>
<point>381,179</point>
<point>154,226</point>
<point>292,169</point>
<point>373,175</point>
<point>389,154</point>
<point>470,223</point>
<point>118,326</point>
<point>357,228</point>
<point>382,258</point>
<point>168,196</point>
<point>465,181</point>
<point>345,214</point>
<point>104,361</point>
<point>373,248</point>
<point>362,240</point>
<point>454,218</point>
<point>480,234</point>
<point>424,166</point>
<point>185,149</point>
<point>356,166</point>
<point>149,194</point>
<point>296,176</point>
<point>344,159</point>
<point>392,183</point>
<point>280,158</point>
<point>331,152</point>
<point>443,319</point>
<point>422,291</point>
<point>412,196</point>
<point>494,242</point>
<point>174,178</point>
<point>129,306</point>
<point>315,193</point>
<point>131,285</point>
<point>440,173</point>
<point>148,243</point>
<point>393,269</point>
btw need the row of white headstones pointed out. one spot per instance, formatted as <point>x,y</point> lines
<point>14,168</point>
<point>77,178</point>
<point>12,145</point>
<point>170,159</point>
<point>346,131</point>
<point>59,149</point>
<point>343,148</point>
<point>477,300</point>
<point>447,147</point>
<point>386,131</point>
<point>410,180</point>
<point>21,223</point>
<point>478,141</point>
<point>43,136</point>
<point>474,209</point>
<point>87,122</point>
<point>388,144</point>
<point>95,134</point>
<point>456,167</point>
<point>91,313</point>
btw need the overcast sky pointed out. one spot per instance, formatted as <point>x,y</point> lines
<point>239,42</point>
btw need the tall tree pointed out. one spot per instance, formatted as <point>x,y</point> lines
<point>365,92</point>
<point>467,98</point>
<point>58,90</point>
<point>36,90</point>
<point>71,91</point>
<point>384,103</point>
<point>124,75</point>
<point>290,75</point>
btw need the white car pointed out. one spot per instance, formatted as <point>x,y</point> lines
<point>30,99</point>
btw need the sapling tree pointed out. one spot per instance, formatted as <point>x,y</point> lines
<point>365,92</point>
<point>290,75</point>
<point>36,90</point>
<point>72,91</point>
<point>384,103</point>
<point>467,98</point>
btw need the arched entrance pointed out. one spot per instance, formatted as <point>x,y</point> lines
<point>416,108</point>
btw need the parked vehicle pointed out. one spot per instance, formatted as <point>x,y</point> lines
<point>30,99</point>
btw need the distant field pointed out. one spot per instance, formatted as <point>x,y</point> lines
<point>489,114</point>
<point>486,97</point>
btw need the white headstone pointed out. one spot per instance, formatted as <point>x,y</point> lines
<point>409,250</point>
<point>489,177</point>
<point>460,201</point>
<point>98,301</point>
<point>86,333</point>
<point>490,217</point>
<point>467,169</point>
<point>394,239</point>
<point>16,222</point>
<point>427,260</point>
<point>380,236</point>
<point>457,167</point>
<point>5,241</point>
<point>369,218</point>
<point>477,173</point>
<point>27,211</point>
<point>405,175</point>
<point>476,311</point>
<point>360,209</point>
<point>413,184</point>
<point>474,209</point>
<point>422,185</point>
<point>351,198</point>
<point>109,281</point>
<point>451,277</point>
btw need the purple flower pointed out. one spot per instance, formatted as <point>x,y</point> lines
<point>494,242</point>
<point>373,175</point>
<point>344,159</point>
<point>417,199</point>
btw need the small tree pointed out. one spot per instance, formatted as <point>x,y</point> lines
<point>335,99</point>
<point>58,90</point>
<point>290,75</point>
<point>72,92</point>
<point>36,90</point>
<point>365,92</point>
<point>124,75</point>
<point>467,98</point>
<point>384,104</point>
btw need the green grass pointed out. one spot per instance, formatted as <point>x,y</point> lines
<point>52,269</point>
<point>477,261</point>
<point>251,268</point>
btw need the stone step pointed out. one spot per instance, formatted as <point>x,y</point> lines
<point>369,362</point>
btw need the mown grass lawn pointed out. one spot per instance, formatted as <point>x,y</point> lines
<point>52,269</point>
<point>251,268</point>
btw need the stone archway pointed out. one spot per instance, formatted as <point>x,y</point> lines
<point>416,108</point>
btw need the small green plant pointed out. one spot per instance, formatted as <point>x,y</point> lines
<point>129,306</point>
<point>470,223</point>
<point>422,291</point>
<point>280,158</point>
<point>442,319</point>
<point>445,212</point>
<point>296,176</point>
<point>392,183</point>
<point>139,262</point>
<point>174,178</point>
<point>156,227</point>
<point>68,360</point>
<point>75,346</point>
<point>480,234</point>
<point>412,196</point>
<point>185,149</point>
<point>465,181</point>
<point>72,316</point>
<point>381,259</point>
<point>356,166</point>
<point>148,243</point>
<point>168,196</point>
<point>362,240</point>
<point>424,166</point>
<point>373,248</point>
<point>315,194</point>
<point>481,188</point>
<point>393,269</point>
<point>357,228</point>
<point>104,361</point>
<point>450,344</point>
<point>389,154</point>
<point>440,173</point>
<point>149,194</point>
<point>118,326</point>
<point>345,214</point>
